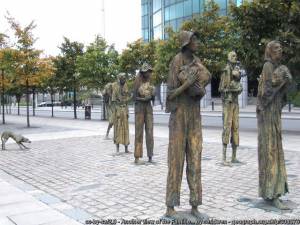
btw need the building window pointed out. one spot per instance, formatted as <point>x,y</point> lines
<point>145,21</point>
<point>170,2</point>
<point>179,10</point>
<point>188,8</point>
<point>167,13</point>
<point>157,18</point>
<point>145,34</point>
<point>196,6</point>
<point>223,6</point>
<point>156,5</point>
<point>239,2</point>
<point>179,23</point>
<point>144,9</point>
<point>157,32</point>
<point>172,12</point>
<point>173,25</point>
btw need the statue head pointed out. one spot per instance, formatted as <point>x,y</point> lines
<point>188,40</point>
<point>122,78</point>
<point>273,51</point>
<point>232,57</point>
<point>146,70</point>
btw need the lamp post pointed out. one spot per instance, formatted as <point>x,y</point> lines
<point>52,101</point>
<point>75,76</point>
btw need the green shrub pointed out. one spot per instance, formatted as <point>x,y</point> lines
<point>296,100</point>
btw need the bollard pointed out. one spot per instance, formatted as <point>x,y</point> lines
<point>290,106</point>
<point>87,112</point>
<point>212,105</point>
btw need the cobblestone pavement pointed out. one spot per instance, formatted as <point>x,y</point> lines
<point>85,172</point>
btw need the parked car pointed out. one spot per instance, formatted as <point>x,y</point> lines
<point>49,104</point>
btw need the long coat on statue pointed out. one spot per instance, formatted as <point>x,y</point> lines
<point>270,100</point>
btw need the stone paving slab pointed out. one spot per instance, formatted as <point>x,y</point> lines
<point>87,174</point>
<point>71,169</point>
<point>20,208</point>
<point>6,221</point>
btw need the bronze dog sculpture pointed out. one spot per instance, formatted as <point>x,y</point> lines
<point>19,139</point>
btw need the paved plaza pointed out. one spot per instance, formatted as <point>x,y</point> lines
<point>72,170</point>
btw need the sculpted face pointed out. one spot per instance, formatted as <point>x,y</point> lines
<point>147,74</point>
<point>122,80</point>
<point>232,57</point>
<point>194,44</point>
<point>276,51</point>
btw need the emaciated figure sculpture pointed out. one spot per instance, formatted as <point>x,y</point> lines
<point>143,94</point>
<point>107,94</point>
<point>230,88</point>
<point>120,98</point>
<point>272,90</point>
<point>186,86</point>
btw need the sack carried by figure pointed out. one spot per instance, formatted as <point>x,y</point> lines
<point>203,78</point>
<point>146,90</point>
<point>281,76</point>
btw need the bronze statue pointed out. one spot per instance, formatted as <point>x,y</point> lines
<point>230,87</point>
<point>186,86</point>
<point>272,89</point>
<point>120,98</point>
<point>107,94</point>
<point>144,92</point>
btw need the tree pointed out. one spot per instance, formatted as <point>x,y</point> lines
<point>135,55</point>
<point>261,21</point>
<point>51,84</point>
<point>2,68</point>
<point>217,37</point>
<point>165,51</point>
<point>6,64</point>
<point>98,65</point>
<point>66,68</point>
<point>29,68</point>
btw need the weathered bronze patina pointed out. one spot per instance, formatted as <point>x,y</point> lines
<point>272,90</point>
<point>107,94</point>
<point>230,88</point>
<point>144,92</point>
<point>186,86</point>
<point>120,98</point>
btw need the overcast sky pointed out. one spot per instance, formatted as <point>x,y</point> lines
<point>79,20</point>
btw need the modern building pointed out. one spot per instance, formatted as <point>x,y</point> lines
<point>159,14</point>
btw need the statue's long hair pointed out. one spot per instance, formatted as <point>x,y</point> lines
<point>268,50</point>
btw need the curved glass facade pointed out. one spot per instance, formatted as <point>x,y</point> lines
<point>158,14</point>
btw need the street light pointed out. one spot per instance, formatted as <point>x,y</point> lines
<point>75,76</point>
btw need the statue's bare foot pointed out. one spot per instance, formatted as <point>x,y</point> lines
<point>195,212</point>
<point>225,163</point>
<point>170,212</point>
<point>278,204</point>
<point>137,161</point>
<point>126,149</point>
<point>235,161</point>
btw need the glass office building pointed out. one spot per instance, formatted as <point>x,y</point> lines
<point>158,14</point>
